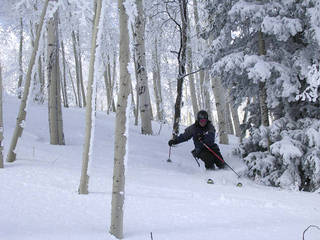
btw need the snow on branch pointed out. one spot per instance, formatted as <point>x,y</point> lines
<point>281,27</point>
<point>313,79</point>
<point>314,14</point>
<point>247,10</point>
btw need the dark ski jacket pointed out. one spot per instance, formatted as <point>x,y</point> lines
<point>195,131</point>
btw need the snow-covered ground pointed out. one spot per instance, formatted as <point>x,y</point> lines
<point>39,199</point>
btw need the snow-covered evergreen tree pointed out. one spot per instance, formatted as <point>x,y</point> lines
<point>286,153</point>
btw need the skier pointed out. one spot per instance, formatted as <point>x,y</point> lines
<point>202,132</point>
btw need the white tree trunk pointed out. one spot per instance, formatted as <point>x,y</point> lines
<point>107,82</point>
<point>87,147</point>
<point>73,86</point>
<point>80,71</point>
<point>116,227</point>
<point>136,116</point>
<point>22,110</point>
<point>1,121</point>
<point>66,101</point>
<point>157,80</point>
<point>191,78</point>
<point>133,105</point>
<point>203,75</point>
<point>218,92</point>
<point>20,60</point>
<point>54,88</point>
<point>228,119</point>
<point>38,82</point>
<point>236,121</point>
<point>196,17</point>
<point>198,89</point>
<point>77,68</point>
<point>41,72</point>
<point>143,90</point>
<point>206,94</point>
<point>64,74</point>
<point>114,74</point>
<point>244,121</point>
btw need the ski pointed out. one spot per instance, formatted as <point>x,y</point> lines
<point>239,184</point>
<point>210,181</point>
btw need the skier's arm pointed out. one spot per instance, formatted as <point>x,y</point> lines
<point>187,135</point>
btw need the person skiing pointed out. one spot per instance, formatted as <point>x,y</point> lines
<point>202,132</point>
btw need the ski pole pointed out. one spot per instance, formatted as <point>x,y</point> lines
<point>215,154</point>
<point>169,159</point>
<point>196,161</point>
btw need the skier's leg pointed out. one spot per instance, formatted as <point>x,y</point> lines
<point>217,161</point>
<point>206,157</point>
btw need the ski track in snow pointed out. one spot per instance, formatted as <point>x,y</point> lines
<point>39,198</point>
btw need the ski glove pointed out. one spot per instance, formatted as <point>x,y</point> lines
<point>172,142</point>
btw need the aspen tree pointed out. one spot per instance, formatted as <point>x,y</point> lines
<point>20,59</point>
<point>108,84</point>
<point>84,181</point>
<point>134,106</point>
<point>143,90</point>
<point>217,88</point>
<point>54,88</point>
<point>41,73</point>
<point>77,66</point>
<point>114,73</point>
<point>136,115</point>
<point>218,92</point>
<point>157,80</point>
<point>228,119</point>
<point>22,109</point>
<point>116,227</point>
<point>203,75</point>
<point>80,71</point>
<point>73,86</point>
<point>111,81</point>
<point>39,77</point>
<point>191,77</point>
<point>235,118</point>
<point>244,121</point>
<point>206,93</point>
<point>64,83</point>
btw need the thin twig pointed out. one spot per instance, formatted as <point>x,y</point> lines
<point>311,226</point>
<point>180,29</point>
<point>161,122</point>
<point>191,73</point>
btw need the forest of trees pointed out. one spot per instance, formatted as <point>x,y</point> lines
<point>252,64</point>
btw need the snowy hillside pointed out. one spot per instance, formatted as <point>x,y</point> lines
<point>39,199</point>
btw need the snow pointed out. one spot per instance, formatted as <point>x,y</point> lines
<point>39,198</point>
<point>281,27</point>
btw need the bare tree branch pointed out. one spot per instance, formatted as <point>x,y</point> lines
<point>185,75</point>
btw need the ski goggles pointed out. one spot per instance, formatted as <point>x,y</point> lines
<point>203,120</point>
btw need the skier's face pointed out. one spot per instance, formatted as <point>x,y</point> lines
<point>203,122</point>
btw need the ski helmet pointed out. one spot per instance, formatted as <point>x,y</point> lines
<point>202,114</point>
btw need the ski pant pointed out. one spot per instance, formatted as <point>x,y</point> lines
<point>210,159</point>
